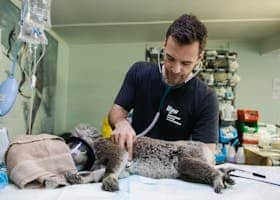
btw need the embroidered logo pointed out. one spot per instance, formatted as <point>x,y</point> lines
<point>171,116</point>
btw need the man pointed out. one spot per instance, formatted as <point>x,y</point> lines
<point>190,109</point>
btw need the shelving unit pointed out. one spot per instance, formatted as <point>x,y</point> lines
<point>220,73</point>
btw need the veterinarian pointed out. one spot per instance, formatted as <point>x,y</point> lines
<point>188,107</point>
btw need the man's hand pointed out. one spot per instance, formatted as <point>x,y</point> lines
<point>124,136</point>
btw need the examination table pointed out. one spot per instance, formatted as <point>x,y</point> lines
<point>142,188</point>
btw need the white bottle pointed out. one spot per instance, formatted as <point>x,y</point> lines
<point>240,157</point>
<point>230,154</point>
<point>4,143</point>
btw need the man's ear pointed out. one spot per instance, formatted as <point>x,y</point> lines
<point>200,56</point>
<point>165,42</point>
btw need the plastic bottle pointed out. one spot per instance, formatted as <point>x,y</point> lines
<point>4,181</point>
<point>230,154</point>
<point>240,157</point>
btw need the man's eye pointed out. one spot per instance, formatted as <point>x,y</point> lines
<point>186,64</point>
<point>170,58</point>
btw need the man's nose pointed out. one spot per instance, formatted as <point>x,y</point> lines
<point>176,69</point>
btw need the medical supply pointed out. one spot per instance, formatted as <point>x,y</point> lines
<point>234,80</point>
<point>230,153</point>
<point>34,19</point>
<point>9,88</point>
<point>228,111</point>
<point>80,153</point>
<point>220,154</point>
<point>227,134</point>
<point>240,156</point>
<point>36,13</point>
<point>251,175</point>
<point>32,35</point>
<point>248,115</point>
<point>4,143</point>
<point>80,148</point>
<point>4,181</point>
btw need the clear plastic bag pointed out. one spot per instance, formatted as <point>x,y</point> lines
<point>37,13</point>
<point>32,35</point>
<point>30,32</point>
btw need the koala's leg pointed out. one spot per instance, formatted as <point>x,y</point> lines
<point>115,165</point>
<point>85,176</point>
<point>193,169</point>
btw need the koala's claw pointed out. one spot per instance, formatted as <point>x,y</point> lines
<point>226,175</point>
<point>218,184</point>
<point>73,178</point>
<point>110,184</point>
<point>223,179</point>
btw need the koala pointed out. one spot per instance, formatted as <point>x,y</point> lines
<point>186,160</point>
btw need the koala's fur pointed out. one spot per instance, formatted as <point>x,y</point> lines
<point>187,160</point>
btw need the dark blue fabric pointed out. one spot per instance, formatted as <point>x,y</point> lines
<point>189,112</point>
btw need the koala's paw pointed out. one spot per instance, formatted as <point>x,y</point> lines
<point>110,184</point>
<point>226,175</point>
<point>218,183</point>
<point>223,179</point>
<point>73,178</point>
<point>51,183</point>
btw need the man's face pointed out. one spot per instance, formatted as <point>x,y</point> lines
<point>179,60</point>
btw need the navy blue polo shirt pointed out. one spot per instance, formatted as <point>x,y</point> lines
<point>188,112</point>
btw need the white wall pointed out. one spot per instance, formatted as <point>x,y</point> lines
<point>96,73</point>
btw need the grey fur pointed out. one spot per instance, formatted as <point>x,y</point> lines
<point>187,160</point>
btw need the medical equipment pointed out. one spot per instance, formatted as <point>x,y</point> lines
<point>9,88</point>
<point>252,173</point>
<point>4,181</point>
<point>253,176</point>
<point>4,143</point>
<point>197,69</point>
<point>36,13</point>
<point>33,83</point>
<point>81,152</point>
<point>264,181</point>
<point>35,17</point>
<point>33,21</point>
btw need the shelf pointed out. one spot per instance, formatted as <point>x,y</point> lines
<point>215,70</point>
<point>221,85</point>
<point>226,99</point>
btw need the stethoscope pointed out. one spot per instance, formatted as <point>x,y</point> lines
<point>161,69</point>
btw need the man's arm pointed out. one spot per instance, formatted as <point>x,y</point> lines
<point>117,114</point>
<point>123,133</point>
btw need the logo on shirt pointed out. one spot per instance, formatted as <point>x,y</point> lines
<point>171,116</point>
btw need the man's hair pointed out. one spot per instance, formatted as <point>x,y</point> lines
<point>187,29</point>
